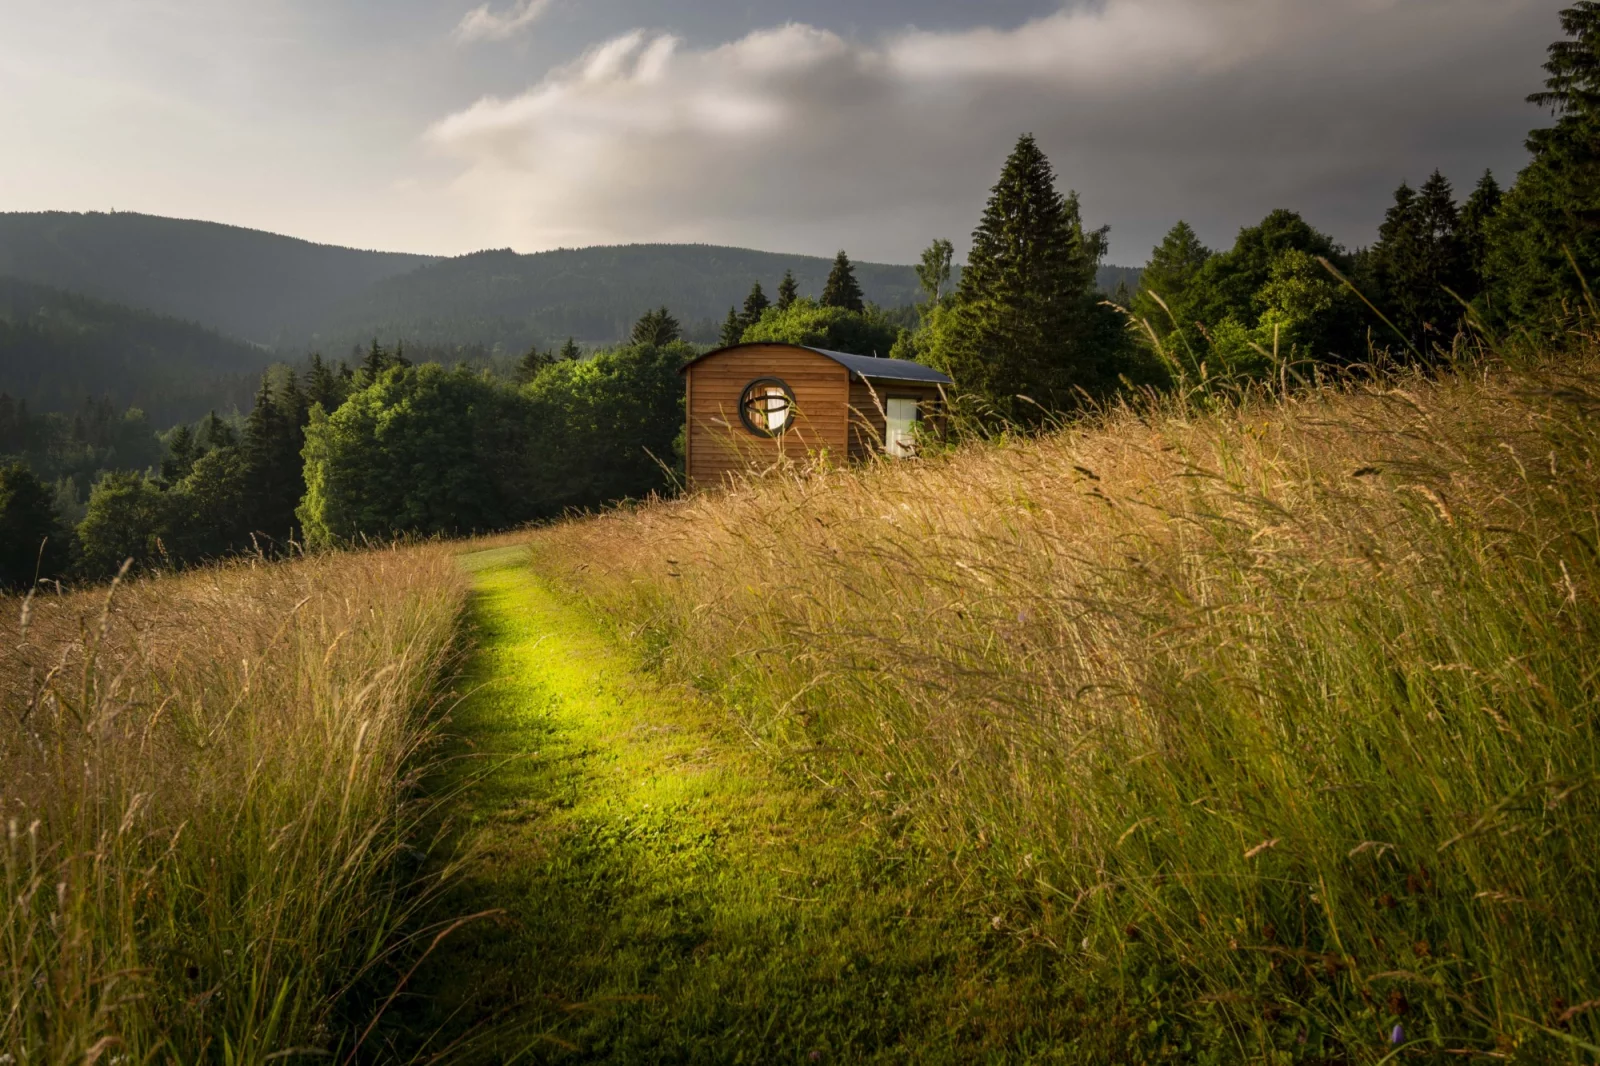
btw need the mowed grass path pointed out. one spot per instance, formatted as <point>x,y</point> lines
<point>668,893</point>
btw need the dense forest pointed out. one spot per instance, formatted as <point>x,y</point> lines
<point>56,348</point>
<point>378,446</point>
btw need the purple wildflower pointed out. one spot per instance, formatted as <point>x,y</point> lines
<point>1398,1035</point>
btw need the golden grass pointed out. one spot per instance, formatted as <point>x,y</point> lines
<point>1276,723</point>
<point>204,801</point>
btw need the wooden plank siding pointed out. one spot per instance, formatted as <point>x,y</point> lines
<point>717,441</point>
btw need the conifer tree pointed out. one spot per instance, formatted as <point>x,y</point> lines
<point>788,291</point>
<point>322,386</point>
<point>531,363</point>
<point>1474,229</point>
<point>570,352</point>
<point>1544,241</point>
<point>1419,262</point>
<point>842,290</point>
<point>215,433</point>
<point>732,329</point>
<point>754,306</point>
<point>1027,320</point>
<point>182,452</point>
<point>657,328</point>
<point>1174,265</point>
<point>376,362</point>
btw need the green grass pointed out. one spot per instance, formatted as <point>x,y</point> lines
<point>669,894</point>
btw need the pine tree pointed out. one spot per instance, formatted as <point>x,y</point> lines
<point>376,362</point>
<point>271,453</point>
<point>1174,265</point>
<point>788,291</point>
<point>1419,262</point>
<point>1474,230</point>
<point>570,352</point>
<point>755,305</point>
<point>933,273</point>
<point>732,329</point>
<point>657,328</point>
<point>842,289</point>
<point>1544,241</point>
<point>322,386</point>
<point>182,452</point>
<point>215,433</point>
<point>531,363</point>
<point>1027,320</point>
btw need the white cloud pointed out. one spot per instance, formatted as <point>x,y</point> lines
<point>483,23</point>
<point>796,137</point>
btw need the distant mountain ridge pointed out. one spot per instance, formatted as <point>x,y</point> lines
<point>257,286</point>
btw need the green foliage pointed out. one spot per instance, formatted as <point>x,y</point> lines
<point>57,348</point>
<point>788,291</point>
<point>836,329</point>
<point>421,450</point>
<point>126,517</point>
<point>933,272</point>
<point>1169,279</point>
<point>732,329</point>
<point>842,290</point>
<point>1476,214</point>
<point>32,543</point>
<point>1544,241</point>
<point>605,429</point>
<point>533,361</point>
<point>657,328</point>
<point>755,305</point>
<point>1419,261</point>
<point>1026,335</point>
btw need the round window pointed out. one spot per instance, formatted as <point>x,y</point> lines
<point>767,407</point>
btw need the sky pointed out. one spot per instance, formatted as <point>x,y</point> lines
<point>448,126</point>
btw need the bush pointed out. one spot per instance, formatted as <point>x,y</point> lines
<point>808,323</point>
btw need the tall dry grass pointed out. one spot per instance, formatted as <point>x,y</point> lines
<point>204,804</point>
<point>1275,725</point>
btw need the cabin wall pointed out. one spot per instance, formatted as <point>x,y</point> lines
<point>867,405</point>
<point>718,442</point>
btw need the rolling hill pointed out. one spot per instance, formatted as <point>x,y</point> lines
<point>57,348</point>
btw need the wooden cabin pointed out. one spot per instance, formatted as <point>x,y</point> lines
<point>752,404</point>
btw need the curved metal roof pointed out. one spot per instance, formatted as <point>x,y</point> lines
<point>866,367</point>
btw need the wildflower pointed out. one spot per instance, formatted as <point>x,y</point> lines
<point>1398,1034</point>
<point>816,1056</point>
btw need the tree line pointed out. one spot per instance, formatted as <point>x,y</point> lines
<point>383,448</point>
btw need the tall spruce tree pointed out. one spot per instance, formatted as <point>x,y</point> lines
<point>732,329</point>
<point>842,289</point>
<point>322,386</point>
<point>1474,229</point>
<point>1026,331</point>
<point>1544,241</point>
<point>788,291</point>
<point>570,352</point>
<point>532,361</point>
<point>1419,264</point>
<point>755,305</point>
<point>182,451</point>
<point>657,328</point>
<point>271,451</point>
<point>1170,274</point>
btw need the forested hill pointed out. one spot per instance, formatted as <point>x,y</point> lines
<point>58,348</point>
<point>258,286</point>
<point>297,296</point>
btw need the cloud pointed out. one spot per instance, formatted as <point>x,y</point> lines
<point>796,137</point>
<point>484,24</point>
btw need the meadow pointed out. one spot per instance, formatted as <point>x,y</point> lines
<point>1270,722</point>
<point>208,808</point>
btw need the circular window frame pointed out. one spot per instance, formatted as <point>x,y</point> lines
<point>746,396</point>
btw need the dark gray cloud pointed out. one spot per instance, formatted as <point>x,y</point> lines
<point>1211,110</point>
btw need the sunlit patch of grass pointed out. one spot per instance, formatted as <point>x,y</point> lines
<point>204,804</point>
<point>668,894</point>
<point>1274,722</point>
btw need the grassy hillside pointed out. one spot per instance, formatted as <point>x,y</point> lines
<point>1272,727</point>
<point>205,791</point>
<point>258,286</point>
<point>56,348</point>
